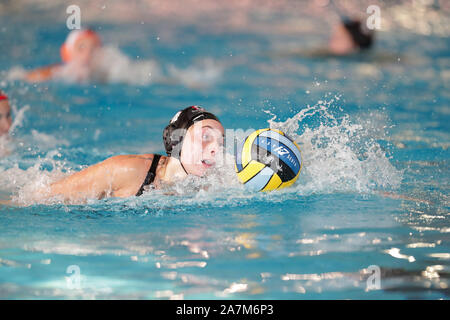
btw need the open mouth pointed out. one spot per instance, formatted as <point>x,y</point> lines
<point>208,163</point>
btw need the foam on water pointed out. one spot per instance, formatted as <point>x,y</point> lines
<point>114,66</point>
<point>28,186</point>
<point>339,155</point>
<point>203,73</point>
<point>4,146</point>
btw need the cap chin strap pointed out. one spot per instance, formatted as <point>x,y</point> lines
<point>183,166</point>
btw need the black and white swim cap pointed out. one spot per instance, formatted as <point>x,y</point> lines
<point>175,131</point>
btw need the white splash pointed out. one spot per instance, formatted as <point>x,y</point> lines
<point>19,115</point>
<point>30,186</point>
<point>201,74</point>
<point>338,155</point>
<point>5,146</point>
<point>111,65</point>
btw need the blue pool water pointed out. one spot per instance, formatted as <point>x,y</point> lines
<point>366,125</point>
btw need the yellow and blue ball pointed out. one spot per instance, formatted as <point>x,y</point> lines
<point>267,160</point>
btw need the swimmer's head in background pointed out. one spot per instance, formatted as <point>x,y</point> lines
<point>79,43</point>
<point>5,114</point>
<point>361,36</point>
<point>175,131</point>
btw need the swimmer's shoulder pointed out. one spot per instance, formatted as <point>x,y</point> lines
<point>132,159</point>
<point>130,172</point>
<point>128,161</point>
<point>136,165</point>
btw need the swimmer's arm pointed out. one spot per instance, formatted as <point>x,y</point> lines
<point>91,182</point>
<point>119,176</point>
<point>129,173</point>
<point>42,74</point>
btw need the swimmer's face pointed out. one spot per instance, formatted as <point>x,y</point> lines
<point>84,49</point>
<point>5,117</point>
<point>341,41</point>
<point>202,145</point>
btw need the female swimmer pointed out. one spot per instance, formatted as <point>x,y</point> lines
<point>193,139</point>
<point>350,36</point>
<point>5,114</point>
<point>77,54</point>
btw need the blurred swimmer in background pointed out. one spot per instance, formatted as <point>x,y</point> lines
<point>85,58</point>
<point>350,36</point>
<point>77,53</point>
<point>347,38</point>
<point>5,114</point>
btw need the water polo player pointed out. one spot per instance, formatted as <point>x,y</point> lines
<point>5,114</point>
<point>193,139</point>
<point>350,36</point>
<point>77,54</point>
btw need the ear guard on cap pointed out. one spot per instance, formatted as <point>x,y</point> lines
<point>173,140</point>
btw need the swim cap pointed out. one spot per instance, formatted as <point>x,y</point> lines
<point>175,131</point>
<point>361,36</point>
<point>3,96</point>
<point>75,35</point>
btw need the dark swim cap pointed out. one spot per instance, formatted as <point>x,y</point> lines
<point>175,131</point>
<point>362,37</point>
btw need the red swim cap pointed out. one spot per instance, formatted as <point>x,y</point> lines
<point>3,96</point>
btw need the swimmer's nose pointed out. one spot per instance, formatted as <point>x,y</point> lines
<point>212,149</point>
<point>215,148</point>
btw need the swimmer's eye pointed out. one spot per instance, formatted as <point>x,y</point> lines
<point>7,116</point>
